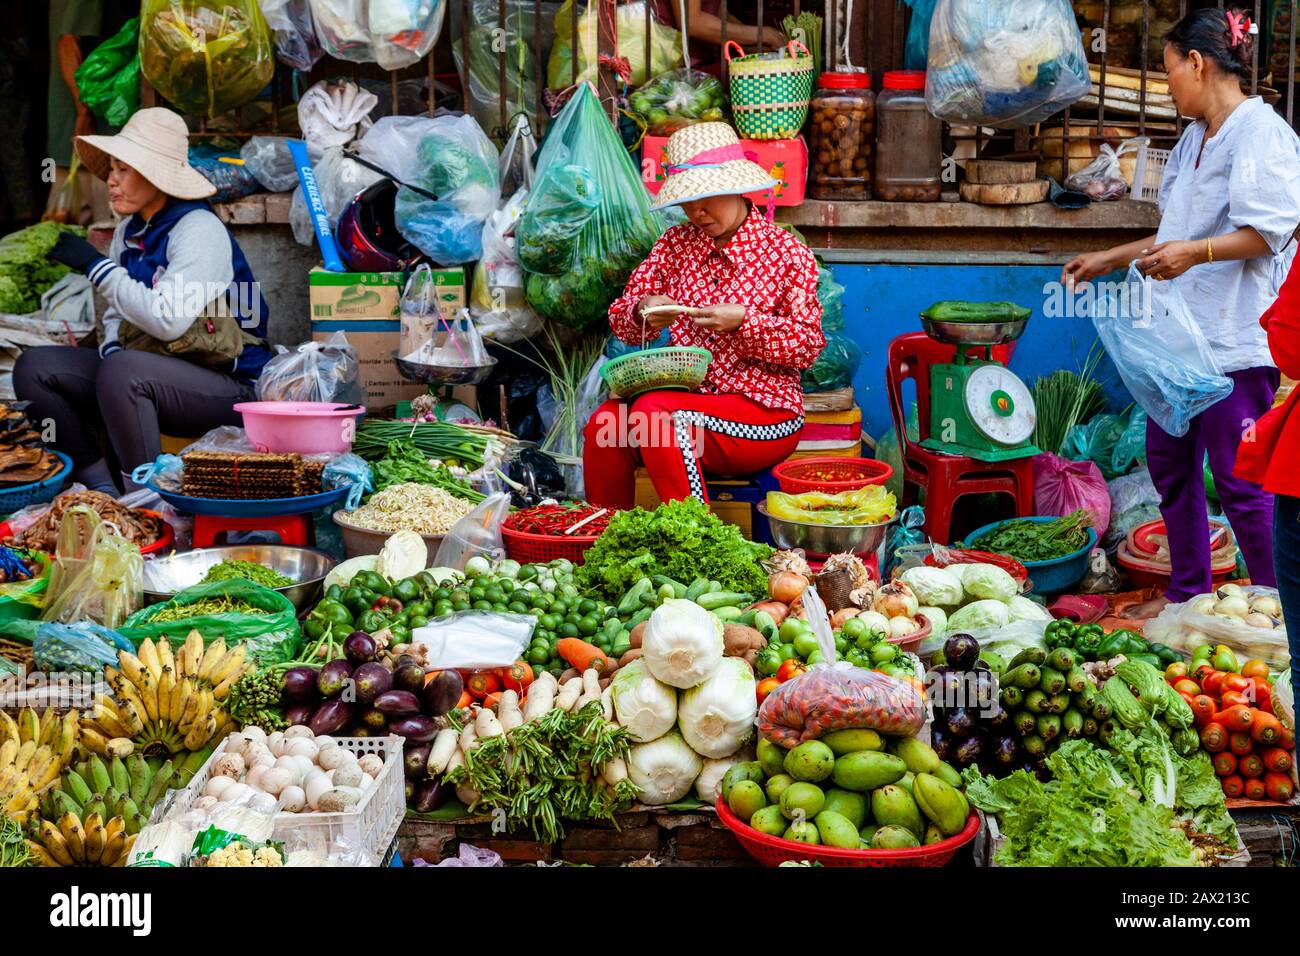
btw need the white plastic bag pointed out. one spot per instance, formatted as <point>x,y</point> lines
<point>497,293</point>
<point>1103,178</point>
<point>1159,350</point>
<point>334,114</point>
<point>392,33</point>
<point>477,534</point>
<point>474,640</point>
<point>313,372</point>
<point>295,34</point>
<point>269,160</point>
<point>1183,628</point>
<point>517,158</point>
<point>1005,64</point>
<point>428,336</point>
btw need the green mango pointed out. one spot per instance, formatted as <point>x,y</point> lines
<point>944,805</point>
<point>749,770</point>
<point>836,830</point>
<point>852,806</point>
<point>891,837</point>
<point>918,755</point>
<point>844,742</point>
<point>866,770</point>
<point>892,805</point>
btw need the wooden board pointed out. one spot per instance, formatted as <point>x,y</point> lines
<point>1013,194</point>
<point>997,172</point>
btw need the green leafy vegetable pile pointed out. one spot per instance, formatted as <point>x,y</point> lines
<point>1101,808</point>
<point>25,273</point>
<point>1027,540</point>
<point>406,463</point>
<point>257,573</point>
<point>680,539</point>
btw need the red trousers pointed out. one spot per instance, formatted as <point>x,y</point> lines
<point>679,436</point>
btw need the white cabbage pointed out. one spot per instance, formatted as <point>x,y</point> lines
<point>1022,609</point>
<point>988,582</point>
<point>718,716</point>
<point>937,617</point>
<point>708,785</point>
<point>403,555</point>
<point>664,769</point>
<point>647,708</point>
<point>682,644</point>
<point>980,614</point>
<point>934,585</point>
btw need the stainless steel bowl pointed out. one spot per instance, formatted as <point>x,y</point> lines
<point>974,333</point>
<point>824,538</point>
<point>444,374</point>
<point>164,577</point>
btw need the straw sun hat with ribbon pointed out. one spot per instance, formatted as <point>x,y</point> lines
<point>707,160</point>
<point>155,143</point>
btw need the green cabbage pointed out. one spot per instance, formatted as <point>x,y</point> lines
<point>987,581</point>
<point>979,614</point>
<point>934,585</point>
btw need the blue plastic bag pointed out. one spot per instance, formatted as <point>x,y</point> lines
<point>1159,350</point>
<point>917,49</point>
<point>1131,449</point>
<point>80,647</point>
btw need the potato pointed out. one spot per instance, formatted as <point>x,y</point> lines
<point>740,640</point>
<point>629,657</point>
<point>637,632</point>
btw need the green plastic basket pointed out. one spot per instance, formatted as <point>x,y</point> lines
<point>678,367</point>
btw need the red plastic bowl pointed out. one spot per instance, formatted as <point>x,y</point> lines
<point>772,850</point>
<point>850,474</point>
<point>165,541</point>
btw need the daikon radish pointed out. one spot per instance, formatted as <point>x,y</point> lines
<point>614,772</point>
<point>541,697</point>
<point>467,736</point>
<point>487,725</point>
<point>590,689</point>
<point>508,711</point>
<point>444,745</point>
<point>607,702</point>
<point>569,694</point>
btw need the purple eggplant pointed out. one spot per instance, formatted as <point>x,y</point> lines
<point>376,720</point>
<point>960,721</point>
<point>415,727</point>
<point>331,717</point>
<point>961,651</point>
<point>994,717</point>
<point>408,788</point>
<point>442,693</point>
<point>409,677</point>
<point>300,685</point>
<point>360,648</point>
<point>299,714</point>
<point>968,750</point>
<point>941,741</point>
<point>429,796</point>
<point>371,680</point>
<point>333,677</point>
<point>1006,751</point>
<point>415,760</point>
<point>397,703</point>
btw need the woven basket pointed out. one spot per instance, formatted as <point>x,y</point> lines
<point>769,96</point>
<point>677,367</point>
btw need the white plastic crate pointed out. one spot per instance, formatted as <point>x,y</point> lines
<point>1148,173</point>
<point>372,824</point>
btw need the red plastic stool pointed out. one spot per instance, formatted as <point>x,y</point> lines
<point>292,529</point>
<point>945,477</point>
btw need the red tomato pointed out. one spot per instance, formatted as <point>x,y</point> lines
<point>1250,766</point>
<point>1232,698</point>
<point>1212,682</point>
<point>1176,671</point>
<point>1201,672</point>
<point>1254,668</point>
<point>1235,682</point>
<point>1225,764</point>
<point>766,686</point>
<point>1203,709</point>
<point>1255,789</point>
<point>1185,686</point>
<point>1262,691</point>
<point>788,669</point>
<point>1279,786</point>
<point>1232,785</point>
<point>1240,744</point>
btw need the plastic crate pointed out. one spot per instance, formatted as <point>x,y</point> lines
<point>774,850</point>
<point>528,548</point>
<point>1148,173</point>
<point>372,824</point>
<point>20,496</point>
<point>849,474</point>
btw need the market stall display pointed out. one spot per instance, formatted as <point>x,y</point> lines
<point>674,100</point>
<point>25,272</point>
<point>295,572</point>
<point>139,526</point>
<point>908,141</point>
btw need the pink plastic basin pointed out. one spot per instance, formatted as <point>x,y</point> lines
<point>309,428</point>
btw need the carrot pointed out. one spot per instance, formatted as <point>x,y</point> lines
<point>464,702</point>
<point>1255,789</point>
<point>1236,718</point>
<point>492,700</point>
<point>581,655</point>
<point>1266,729</point>
<point>1277,760</point>
<point>517,676</point>
<point>1288,739</point>
<point>1214,737</point>
<point>430,675</point>
<point>1279,787</point>
<point>482,683</point>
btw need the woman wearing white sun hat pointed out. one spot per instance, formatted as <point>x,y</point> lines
<point>747,291</point>
<point>185,327</point>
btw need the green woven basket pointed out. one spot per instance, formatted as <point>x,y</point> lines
<point>769,95</point>
<point>678,367</point>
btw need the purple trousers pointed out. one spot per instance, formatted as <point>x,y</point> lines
<point>1177,472</point>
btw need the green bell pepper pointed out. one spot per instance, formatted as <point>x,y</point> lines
<point>1112,644</point>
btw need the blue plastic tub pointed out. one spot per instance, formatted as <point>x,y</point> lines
<point>1057,575</point>
<point>38,492</point>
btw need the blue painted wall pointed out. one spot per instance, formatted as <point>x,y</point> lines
<point>883,301</point>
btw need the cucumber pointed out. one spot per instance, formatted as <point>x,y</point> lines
<point>716,599</point>
<point>727,614</point>
<point>697,587</point>
<point>631,600</point>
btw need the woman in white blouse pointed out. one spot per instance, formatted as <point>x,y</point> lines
<point>1230,205</point>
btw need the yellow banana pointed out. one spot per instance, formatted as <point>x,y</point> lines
<point>9,728</point>
<point>166,656</point>
<point>74,836</point>
<point>41,855</point>
<point>96,836</point>
<point>127,691</point>
<point>206,703</point>
<point>124,853</point>
<point>214,653</point>
<point>55,844</point>
<point>114,841</point>
<point>131,719</point>
<point>8,778</point>
<point>48,721</point>
<point>201,732</point>
<point>149,693</point>
<point>231,665</point>
<point>25,754</point>
<point>94,740</point>
<point>120,747</point>
<point>148,655</point>
<point>165,687</point>
<point>107,716</point>
<point>177,703</point>
<point>192,654</point>
<point>8,752</point>
<point>29,725</point>
<point>18,793</point>
<point>111,674</point>
<point>67,739</point>
<point>181,697</point>
<point>224,726</point>
<point>132,666</point>
<point>45,768</point>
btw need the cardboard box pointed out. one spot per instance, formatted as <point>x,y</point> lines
<point>785,159</point>
<point>375,335</point>
<point>373,295</point>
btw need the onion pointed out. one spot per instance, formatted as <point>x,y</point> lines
<point>1233,604</point>
<point>895,599</point>
<point>1256,619</point>
<point>902,627</point>
<point>785,586</point>
<point>776,609</point>
<point>842,615</point>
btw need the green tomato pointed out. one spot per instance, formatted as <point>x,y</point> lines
<point>787,652</point>
<point>805,643</point>
<point>883,652</point>
<point>855,629</point>
<point>791,627</point>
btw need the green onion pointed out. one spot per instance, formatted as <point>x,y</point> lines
<point>1065,399</point>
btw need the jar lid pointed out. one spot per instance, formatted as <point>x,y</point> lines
<point>905,80</point>
<point>844,81</point>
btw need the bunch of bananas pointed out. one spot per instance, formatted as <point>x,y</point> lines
<point>122,788</point>
<point>81,841</point>
<point>33,751</point>
<point>165,702</point>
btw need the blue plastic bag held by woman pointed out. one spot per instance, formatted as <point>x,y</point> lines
<point>1159,350</point>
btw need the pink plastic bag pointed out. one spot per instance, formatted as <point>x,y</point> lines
<point>1062,486</point>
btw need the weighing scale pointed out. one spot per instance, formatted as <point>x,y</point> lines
<point>978,407</point>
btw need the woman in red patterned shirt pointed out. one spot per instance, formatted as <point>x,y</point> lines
<point>748,293</point>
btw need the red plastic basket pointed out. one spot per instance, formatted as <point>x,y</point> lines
<point>165,540</point>
<point>528,548</point>
<point>773,850</point>
<point>847,474</point>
